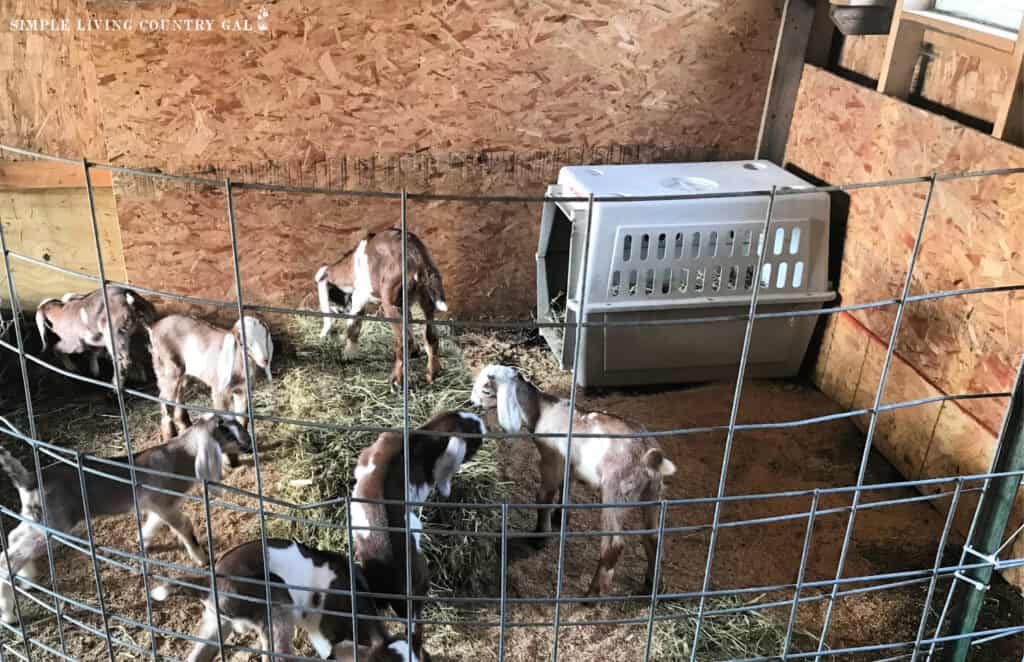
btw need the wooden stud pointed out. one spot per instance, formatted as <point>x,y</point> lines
<point>1009,123</point>
<point>901,53</point>
<point>787,68</point>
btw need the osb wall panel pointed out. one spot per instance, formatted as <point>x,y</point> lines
<point>845,133</point>
<point>478,97</point>
<point>927,441</point>
<point>364,78</point>
<point>957,80</point>
<point>48,97</point>
<point>55,225</point>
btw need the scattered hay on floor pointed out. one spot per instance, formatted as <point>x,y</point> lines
<point>318,465</point>
<point>737,635</point>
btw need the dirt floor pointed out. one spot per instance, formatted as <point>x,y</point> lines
<point>886,539</point>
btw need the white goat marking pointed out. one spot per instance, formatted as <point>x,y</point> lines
<point>195,357</point>
<point>448,464</point>
<point>469,416</point>
<point>416,526</point>
<point>359,519</point>
<point>295,569</point>
<point>320,273</point>
<point>401,647</point>
<point>68,296</point>
<point>129,298</point>
<point>362,291</point>
<point>84,316</point>
<point>364,470</point>
<point>417,493</point>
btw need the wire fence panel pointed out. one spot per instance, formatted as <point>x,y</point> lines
<point>502,608</point>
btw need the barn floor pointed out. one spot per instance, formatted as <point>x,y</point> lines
<point>887,539</point>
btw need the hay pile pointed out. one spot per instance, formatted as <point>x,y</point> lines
<point>318,384</point>
<point>739,635</point>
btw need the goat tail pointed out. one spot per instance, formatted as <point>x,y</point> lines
<point>655,460</point>
<point>41,325</point>
<point>22,478</point>
<point>323,292</point>
<point>434,288</point>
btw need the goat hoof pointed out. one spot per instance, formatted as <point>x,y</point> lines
<point>351,351</point>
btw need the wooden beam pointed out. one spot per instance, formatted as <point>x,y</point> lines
<point>787,68</point>
<point>1009,123</point>
<point>28,175</point>
<point>901,53</point>
<point>986,35</point>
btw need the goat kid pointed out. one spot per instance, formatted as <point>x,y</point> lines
<point>184,346</point>
<point>624,469</point>
<point>197,452</point>
<point>78,325</point>
<point>433,462</point>
<point>318,582</point>
<point>372,273</point>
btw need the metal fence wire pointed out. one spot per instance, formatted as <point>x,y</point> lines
<point>953,632</point>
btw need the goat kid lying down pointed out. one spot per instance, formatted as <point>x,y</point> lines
<point>433,462</point>
<point>77,324</point>
<point>197,451</point>
<point>624,469</point>
<point>318,582</point>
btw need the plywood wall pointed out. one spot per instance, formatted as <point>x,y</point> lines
<point>845,133</point>
<point>960,80</point>
<point>48,96</point>
<point>55,225</point>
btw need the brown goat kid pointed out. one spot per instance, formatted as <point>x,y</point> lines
<point>77,324</point>
<point>624,469</point>
<point>372,273</point>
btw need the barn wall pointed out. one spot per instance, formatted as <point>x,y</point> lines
<point>846,133</point>
<point>958,79</point>
<point>480,96</point>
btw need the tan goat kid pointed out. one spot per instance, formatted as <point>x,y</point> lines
<point>624,469</point>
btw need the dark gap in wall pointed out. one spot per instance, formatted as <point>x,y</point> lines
<point>839,214</point>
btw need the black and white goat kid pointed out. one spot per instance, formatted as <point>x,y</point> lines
<point>434,459</point>
<point>316,601</point>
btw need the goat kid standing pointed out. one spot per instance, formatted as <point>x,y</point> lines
<point>318,582</point>
<point>372,273</point>
<point>77,323</point>
<point>624,469</point>
<point>184,346</point>
<point>433,461</point>
<point>196,452</point>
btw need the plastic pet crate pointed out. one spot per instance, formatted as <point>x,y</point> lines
<point>681,259</point>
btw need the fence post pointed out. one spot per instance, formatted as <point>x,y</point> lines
<point>994,509</point>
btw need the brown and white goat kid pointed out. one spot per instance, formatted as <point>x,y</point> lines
<point>372,273</point>
<point>624,469</point>
<point>196,452</point>
<point>77,323</point>
<point>318,581</point>
<point>184,346</point>
<point>433,462</point>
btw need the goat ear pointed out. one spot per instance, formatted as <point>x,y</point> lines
<point>510,413</point>
<point>208,461</point>
<point>226,362</point>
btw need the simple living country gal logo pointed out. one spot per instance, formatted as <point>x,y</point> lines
<point>259,23</point>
